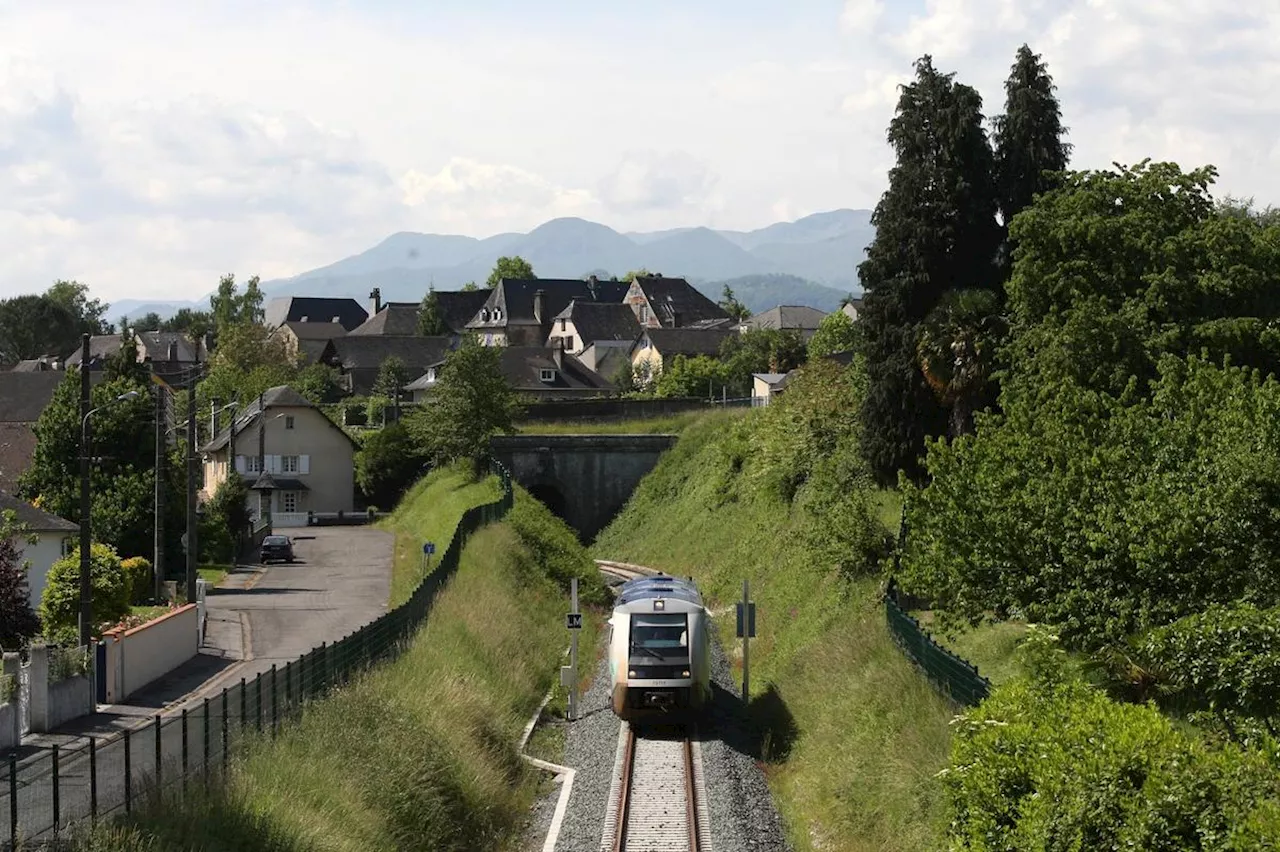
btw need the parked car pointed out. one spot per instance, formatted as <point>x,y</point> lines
<point>277,547</point>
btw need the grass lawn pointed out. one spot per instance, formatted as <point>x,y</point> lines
<point>213,574</point>
<point>430,512</point>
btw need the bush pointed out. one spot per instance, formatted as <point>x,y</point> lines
<point>226,518</point>
<point>18,623</point>
<point>140,578</point>
<point>1052,764</point>
<point>388,463</point>
<point>60,606</point>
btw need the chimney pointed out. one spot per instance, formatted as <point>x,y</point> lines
<point>375,300</point>
<point>557,353</point>
<point>539,300</point>
<point>173,350</point>
<point>675,317</point>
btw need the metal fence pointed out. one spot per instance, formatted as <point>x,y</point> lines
<point>49,790</point>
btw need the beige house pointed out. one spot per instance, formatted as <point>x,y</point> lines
<point>305,341</point>
<point>660,302</point>
<point>54,538</point>
<point>655,348</point>
<point>308,459</point>
<point>765,386</point>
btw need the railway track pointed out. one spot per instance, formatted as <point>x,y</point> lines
<point>622,570</point>
<point>657,799</point>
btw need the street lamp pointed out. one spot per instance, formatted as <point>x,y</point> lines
<point>86,538</point>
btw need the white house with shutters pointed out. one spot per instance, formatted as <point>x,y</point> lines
<point>309,459</point>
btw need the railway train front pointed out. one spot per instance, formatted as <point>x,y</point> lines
<point>659,649</point>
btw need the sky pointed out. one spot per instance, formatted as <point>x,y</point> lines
<point>148,147</point>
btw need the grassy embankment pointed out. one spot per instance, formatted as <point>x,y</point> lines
<point>672,423</point>
<point>851,734</point>
<point>419,753</point>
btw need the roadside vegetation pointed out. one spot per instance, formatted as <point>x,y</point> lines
<point>667,423</point>
<point>420,753</point>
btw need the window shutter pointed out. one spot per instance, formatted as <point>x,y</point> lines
<point>273,463</point>
<point>304,464</point>
<point>239,464</point>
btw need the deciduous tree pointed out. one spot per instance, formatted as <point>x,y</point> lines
<point>836,333</point>
<point>509,267</point>
<point>431,321</point>
<point>471,402</point>
<point>393,375</point>
<point>18,621</point>
<point>731,306</point>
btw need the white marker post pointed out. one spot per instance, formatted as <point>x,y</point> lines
<point>569,673</point>
<point>746,629</point>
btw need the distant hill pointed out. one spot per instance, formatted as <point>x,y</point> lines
<point>800,262</point>
<point>761,292</point>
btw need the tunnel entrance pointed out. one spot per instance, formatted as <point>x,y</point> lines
<point>553,499</point>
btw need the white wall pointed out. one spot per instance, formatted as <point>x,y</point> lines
<point>137,657</point>
<point>46,551</point>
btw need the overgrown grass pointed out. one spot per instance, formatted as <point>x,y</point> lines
<point>429,512</point>
<point>420,753</point>
<point>853,735</point>
<point>670,423</point>
<point>213,574</point>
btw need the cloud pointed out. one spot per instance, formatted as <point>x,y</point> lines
<point>861,15</point>
<point>658,180</point>
<point>467,194</point>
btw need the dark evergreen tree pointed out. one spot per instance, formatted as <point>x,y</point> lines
<point>1028,137</point>
<point>430,318</point>
<point>936,231</point>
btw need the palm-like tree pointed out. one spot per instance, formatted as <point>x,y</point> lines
<point>956,348</point>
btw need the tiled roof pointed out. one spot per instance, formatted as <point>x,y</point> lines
<point>600,321</point>
<point>284,309</point>
<point>36,520</point>
<point>677,303</point>
<point>368,351</point>
<point>100,346</point>
<point>796,317</point>
<point>687,341</point>
<point>155,345</point>
<point>460,307</point>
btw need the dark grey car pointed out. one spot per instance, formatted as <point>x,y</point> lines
<point>278,548</point>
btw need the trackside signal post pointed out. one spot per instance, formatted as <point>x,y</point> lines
<point>569,673</point>
<point>746,629</point>
<point>428,548</point>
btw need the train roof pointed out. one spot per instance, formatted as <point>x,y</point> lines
<point>658,586</point>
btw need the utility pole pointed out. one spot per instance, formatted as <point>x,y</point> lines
<point>161,443</point>
<point>86,589</point>
<point>191,489</point>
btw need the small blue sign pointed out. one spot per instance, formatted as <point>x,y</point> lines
<point>429,547</point>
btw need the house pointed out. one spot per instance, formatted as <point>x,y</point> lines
<point>23,398</point>
<point>765,386</point>
<point>54,538</point>
<point>305,341</point>
<point>797,318</point>
<point>518,312</point>
<point>660,302</point>
<point>346,312</point>
<point>360,357</point>
<point>654,348</point>
<point>310,460</point>
<point>101,347</point>
<point>600,334</point>
<point>534,373</point>
<point>169,355</point>
<point>852,309</point>
<point>458,307</point>
<point>43,364</point>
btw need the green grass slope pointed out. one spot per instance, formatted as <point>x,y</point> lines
<point>852,736</point>
<point>419,753</point>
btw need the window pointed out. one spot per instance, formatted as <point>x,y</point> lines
<point>253,464</point>
<point>562,322</point>
<point>289,499</point>
<point>484,315</point>
<point>497,313</point>
<point>288,464</point>
<point>547,375</point>
<point>288,421</point>
<point>644,314</point>
<point>69,546</point>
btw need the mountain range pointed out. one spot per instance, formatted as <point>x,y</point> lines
<point>811,261</point>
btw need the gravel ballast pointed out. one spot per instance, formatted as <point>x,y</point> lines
<point>741,809</point>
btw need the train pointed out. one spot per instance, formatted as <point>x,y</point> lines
<point>659,637</point>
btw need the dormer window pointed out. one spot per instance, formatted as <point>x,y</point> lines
<point>431,375</point>
<point>497,314</point>
<point>547,376</point>
<point>562,322</point>
<point>484,315</point>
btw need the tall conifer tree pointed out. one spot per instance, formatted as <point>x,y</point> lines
<point>1028,137</point>
<point>936,231</point>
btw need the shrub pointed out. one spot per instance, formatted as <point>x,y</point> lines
<point>388,464</point>
<point>8,688</point>
<point>140,578</point>
<point>60,606</point>
<point>225,519</point>
<point>1053,764</point>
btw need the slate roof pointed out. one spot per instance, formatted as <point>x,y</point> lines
<point>515,297</point>
<point>460,307</point>
<point>677,303</point>
<point>280,396</point>
<point>316,330</point>
<point>100,346</point>
<point>284,309</point>
<point>34,365</point>
<point>37,520</point>
<point>23,396</point>
<point>368,351</point>
<point>600,321</point>
<point>155,345</point>
<point>523,365</point>
<point>17,449</point>
<point>796,317</point>
<point>687,341</point>
<point>395,318</point>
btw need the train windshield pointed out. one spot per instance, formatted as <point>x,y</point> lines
<point>659,631</point>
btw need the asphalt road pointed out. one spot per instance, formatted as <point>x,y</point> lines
<point>340,582</point>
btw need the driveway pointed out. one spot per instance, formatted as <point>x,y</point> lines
<point>275,614</point>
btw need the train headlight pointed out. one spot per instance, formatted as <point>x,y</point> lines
<point>684,673</point>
